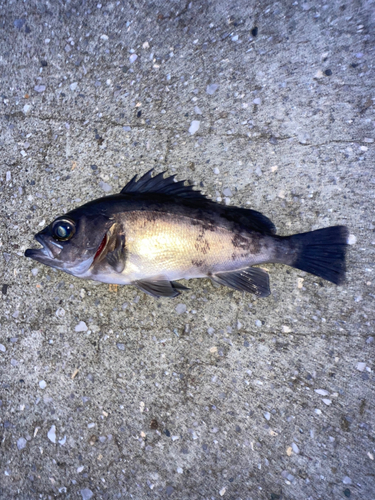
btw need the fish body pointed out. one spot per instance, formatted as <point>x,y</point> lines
<point>173,243</point>
<point>158,231</point>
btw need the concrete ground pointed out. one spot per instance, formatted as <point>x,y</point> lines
<point>108,393</point>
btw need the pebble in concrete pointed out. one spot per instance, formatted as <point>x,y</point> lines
<point>81,327</point>
<point>194,127</point>
<point>52,434</point>
<point>86,494</point>
<point>21,443</point>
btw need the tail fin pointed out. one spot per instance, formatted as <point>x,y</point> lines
<point>322,252</point>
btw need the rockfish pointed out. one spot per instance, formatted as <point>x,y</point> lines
<point>157,231</point>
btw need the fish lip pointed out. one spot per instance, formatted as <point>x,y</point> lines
<point>45,251</point>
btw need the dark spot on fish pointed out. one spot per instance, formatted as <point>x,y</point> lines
<point>202,245</point>
<point>206,225</point>
<point>252,245</point>
<point>239,241</point>
<point>4,289</point>
<point>151,216</point>
<point>197,263</point>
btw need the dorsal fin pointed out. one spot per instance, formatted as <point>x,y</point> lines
<point>157,184</point>
<point>249,219</point>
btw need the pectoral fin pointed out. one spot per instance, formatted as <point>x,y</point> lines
<point>252,280</point>
<point>117,258</point>
<point>160,288</point>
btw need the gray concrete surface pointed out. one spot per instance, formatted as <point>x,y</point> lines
<point>233,398</point>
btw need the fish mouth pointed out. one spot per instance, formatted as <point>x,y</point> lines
<point>44,253</point>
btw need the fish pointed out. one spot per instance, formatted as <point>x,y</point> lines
<point>157,231</point>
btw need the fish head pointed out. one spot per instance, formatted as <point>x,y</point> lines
<point>72,242</point>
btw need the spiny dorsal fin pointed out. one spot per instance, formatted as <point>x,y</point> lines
<point>157,184</point>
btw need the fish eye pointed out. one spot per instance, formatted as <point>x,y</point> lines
<point>63,229</point>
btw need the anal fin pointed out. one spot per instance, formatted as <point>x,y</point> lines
<point>160,288</point>
<point>252,280</point>
<point>117,258</point>
<point>178,286</point>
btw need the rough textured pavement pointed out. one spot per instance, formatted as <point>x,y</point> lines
<point>108,393</point>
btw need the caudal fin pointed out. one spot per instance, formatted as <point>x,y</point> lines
<point>322,252</point>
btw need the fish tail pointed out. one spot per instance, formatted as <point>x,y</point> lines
<point>321,252</point>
